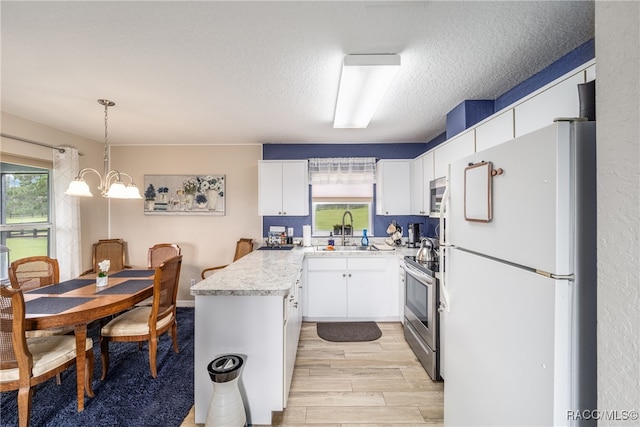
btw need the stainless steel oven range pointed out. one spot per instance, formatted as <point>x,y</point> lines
<point>421,318</point>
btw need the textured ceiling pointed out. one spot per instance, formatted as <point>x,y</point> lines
<point>236,72</point>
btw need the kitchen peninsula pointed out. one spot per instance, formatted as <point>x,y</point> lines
<point>250,308</point>
<point>253,308</point>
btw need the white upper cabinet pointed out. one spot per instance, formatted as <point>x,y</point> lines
<point>495,131</point>
<point>417,202</point>
<point>283,188</point>
<point>560,100</point>
<point>460,146</point>
<point>421,176</point>
<point>428,173</point>
<point>393,187</point>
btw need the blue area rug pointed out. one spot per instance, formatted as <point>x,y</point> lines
<point>128,396</point>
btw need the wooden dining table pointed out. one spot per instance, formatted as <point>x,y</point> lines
<point>78,302</point>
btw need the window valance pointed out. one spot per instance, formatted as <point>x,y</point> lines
<point>342,170</point>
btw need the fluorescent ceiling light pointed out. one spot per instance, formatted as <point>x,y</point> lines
<point>363,83</point>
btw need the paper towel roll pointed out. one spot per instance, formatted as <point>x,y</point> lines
<point>306,235</point>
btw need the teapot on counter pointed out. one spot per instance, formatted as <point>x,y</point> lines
<point>426,253</point>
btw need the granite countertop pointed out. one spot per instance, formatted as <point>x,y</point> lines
<point>272,272</point>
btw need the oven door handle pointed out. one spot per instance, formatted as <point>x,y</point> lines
<point>418,274</point>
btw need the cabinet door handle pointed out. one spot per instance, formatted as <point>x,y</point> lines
<point>284,213</point>
<point>344,274</point>
<point>349,274</point>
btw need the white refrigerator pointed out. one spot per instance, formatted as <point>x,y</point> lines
<point>519,291</point>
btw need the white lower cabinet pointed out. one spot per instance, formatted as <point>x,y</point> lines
<point>291,333</point>
<point>326,287</point>
<point>352,288</point>
<point>327,294</point>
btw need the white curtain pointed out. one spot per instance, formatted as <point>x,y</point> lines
<point>66,214</point>
<point>342,170</point>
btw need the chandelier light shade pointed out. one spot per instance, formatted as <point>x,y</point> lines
<point>111,184</point>
<point>363,83</point>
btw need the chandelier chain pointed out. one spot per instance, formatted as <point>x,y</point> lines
<point>111,184</point>
<point>106,107</point>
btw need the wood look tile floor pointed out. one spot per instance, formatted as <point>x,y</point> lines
<point>377,383</point>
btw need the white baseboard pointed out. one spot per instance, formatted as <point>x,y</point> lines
<point>186,303</point>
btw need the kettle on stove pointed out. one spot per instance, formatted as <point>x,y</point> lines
<point>426,253</point>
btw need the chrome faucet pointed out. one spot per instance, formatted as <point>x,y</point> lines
<point>343,233</point>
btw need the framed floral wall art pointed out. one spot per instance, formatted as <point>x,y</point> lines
<point>184,194</point>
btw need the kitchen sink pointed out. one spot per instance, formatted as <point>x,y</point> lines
<point>276,248</point>
<point>342,248</point>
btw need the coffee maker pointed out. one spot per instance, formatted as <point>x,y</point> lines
<point>415,233</point>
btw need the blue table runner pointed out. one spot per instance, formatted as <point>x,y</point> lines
<point>133,273</point>
<point>128,287</point>
<point>62,287</point>
<point>53,305</point>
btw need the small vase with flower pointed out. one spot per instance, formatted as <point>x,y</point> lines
<point>103,279</point>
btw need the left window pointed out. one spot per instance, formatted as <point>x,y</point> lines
<point>25,213</point>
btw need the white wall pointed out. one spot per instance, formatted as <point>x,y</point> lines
<point>618,116</point>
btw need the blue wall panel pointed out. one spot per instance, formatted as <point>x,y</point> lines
<point>306,151</point>
<point>467,114</point>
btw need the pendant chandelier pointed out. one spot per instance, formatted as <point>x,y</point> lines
<point>111,184</point>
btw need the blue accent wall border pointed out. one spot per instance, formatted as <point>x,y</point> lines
<point>405,150</point>
<point>571,61</point>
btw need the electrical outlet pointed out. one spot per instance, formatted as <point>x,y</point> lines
<point>193,282</point>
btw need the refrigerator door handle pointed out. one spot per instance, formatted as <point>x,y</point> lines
<point>443,209</point>
<point>444,292</point>
<point>444,304</point>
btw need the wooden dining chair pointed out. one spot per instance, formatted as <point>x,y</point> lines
<point>160,252</point>
<point>147,323</point>
<point>112,249</point>
<point>243,247</point>
<point>26,362</point>
<point>34,272</point>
